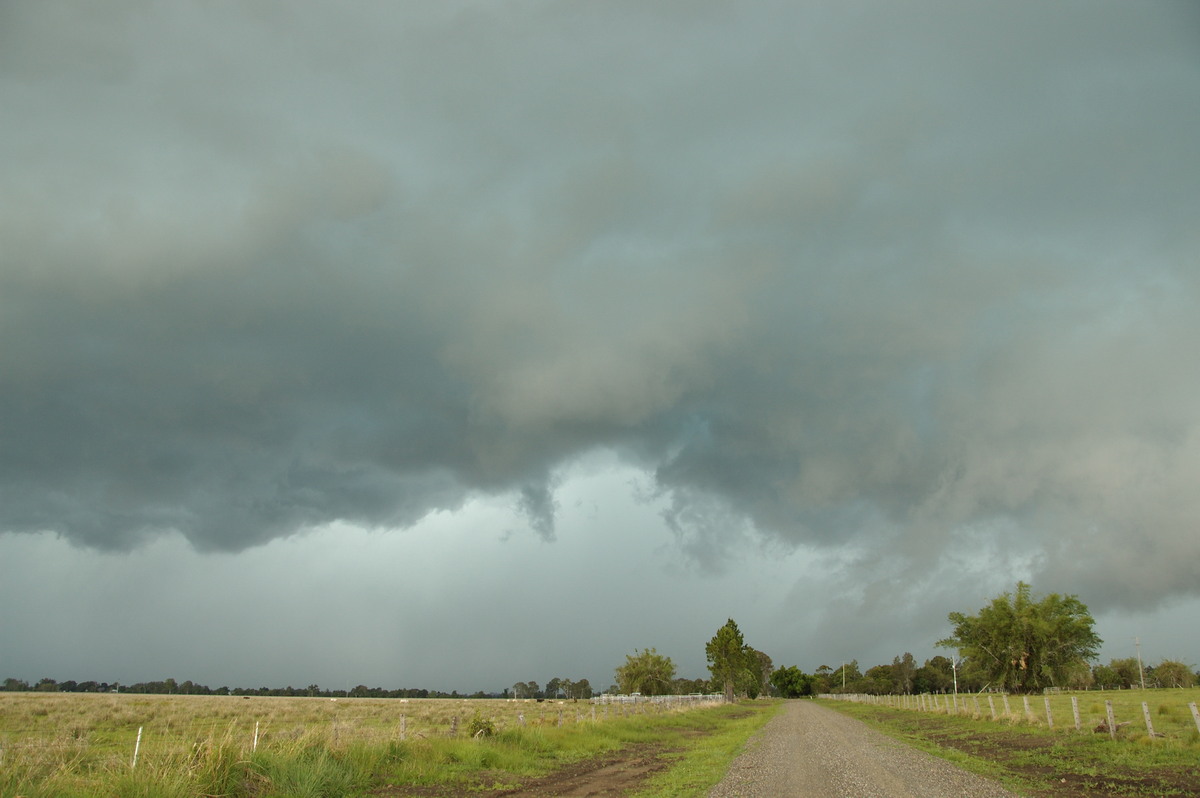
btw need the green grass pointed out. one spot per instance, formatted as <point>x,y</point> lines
<point>705,756</point>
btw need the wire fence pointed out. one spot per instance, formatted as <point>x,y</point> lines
<point>1056,710</point>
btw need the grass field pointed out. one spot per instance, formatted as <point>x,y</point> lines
<point>1170,715</point>
<point>1060,762</point>
<point>83,745</point>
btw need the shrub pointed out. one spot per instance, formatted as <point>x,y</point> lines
<point>480,726</point>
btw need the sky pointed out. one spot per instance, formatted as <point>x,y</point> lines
<point>449,345</point>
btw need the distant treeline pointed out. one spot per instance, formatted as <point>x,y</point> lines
<point>171,687</point>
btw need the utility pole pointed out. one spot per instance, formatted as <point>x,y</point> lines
<point>1137,642</point>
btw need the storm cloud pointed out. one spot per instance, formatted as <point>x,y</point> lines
<point>911,285</point>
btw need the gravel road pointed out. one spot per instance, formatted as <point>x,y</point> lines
<point>810,751</point>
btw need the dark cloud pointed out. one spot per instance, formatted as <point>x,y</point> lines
<point>919,279</point>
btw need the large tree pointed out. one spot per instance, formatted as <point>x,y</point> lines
<point>756,672</point>
<point>646,672</point>
<point>1171,673</point>
<point>1024,644</point>
<point>727,658</point>
<point>791,682</point>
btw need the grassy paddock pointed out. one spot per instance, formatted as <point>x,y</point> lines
<point>1032,757</point>
<point>1170,715</point>
<point>83,744</point>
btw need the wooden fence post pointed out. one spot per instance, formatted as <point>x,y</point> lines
<point>1028,710</point>
<point>1075,710</point>
<point>1049,717</point>
<point>136,746</point>
<point>1112,722</point>
<point>1146,715</point>
<point>404,727</point>
<point>1195,714</point>
<point>992,707</point>
<point>254,745</point>
<point>1007,711</point>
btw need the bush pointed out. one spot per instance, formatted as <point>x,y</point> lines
<point>480,726</point>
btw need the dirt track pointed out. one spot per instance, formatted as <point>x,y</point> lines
<point>806,751</point>
<point>811,751</point>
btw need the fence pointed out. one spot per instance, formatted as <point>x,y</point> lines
<point>1049,710</point>
<point>692,699</point>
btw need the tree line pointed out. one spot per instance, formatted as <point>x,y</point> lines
<point>1017,643</point>
<point>172,687</point>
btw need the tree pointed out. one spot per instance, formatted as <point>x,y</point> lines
<point>1105,677</point>
<point>822,680</point>
<point>1170,673</point>
<point>726,654</point>
<point>525,690</point>
<point>1128,672</point>
<point>1023,644</point>
<point>904,671</point>
<point>791,682</point>
<point>878,680</point>
<point>688,686</point>
<point>842,680</point>
<point>646,672</point>
<point>756,672</point>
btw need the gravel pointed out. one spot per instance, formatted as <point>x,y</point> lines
<point>812,751</point>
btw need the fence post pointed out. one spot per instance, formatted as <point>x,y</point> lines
<point>136,746</point>
<point>1195,714</point>
<point>404,727</point>
<point>992,707</point>
<point>254,747</point>
<point>1028,711</point>
<point>1049,717</point>
<point>1146,715</point>
<point>1112,722</point>
<point>1075,710</point>
<point>1007,711</point>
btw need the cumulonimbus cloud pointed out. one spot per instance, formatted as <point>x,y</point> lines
<point>924,294</point>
